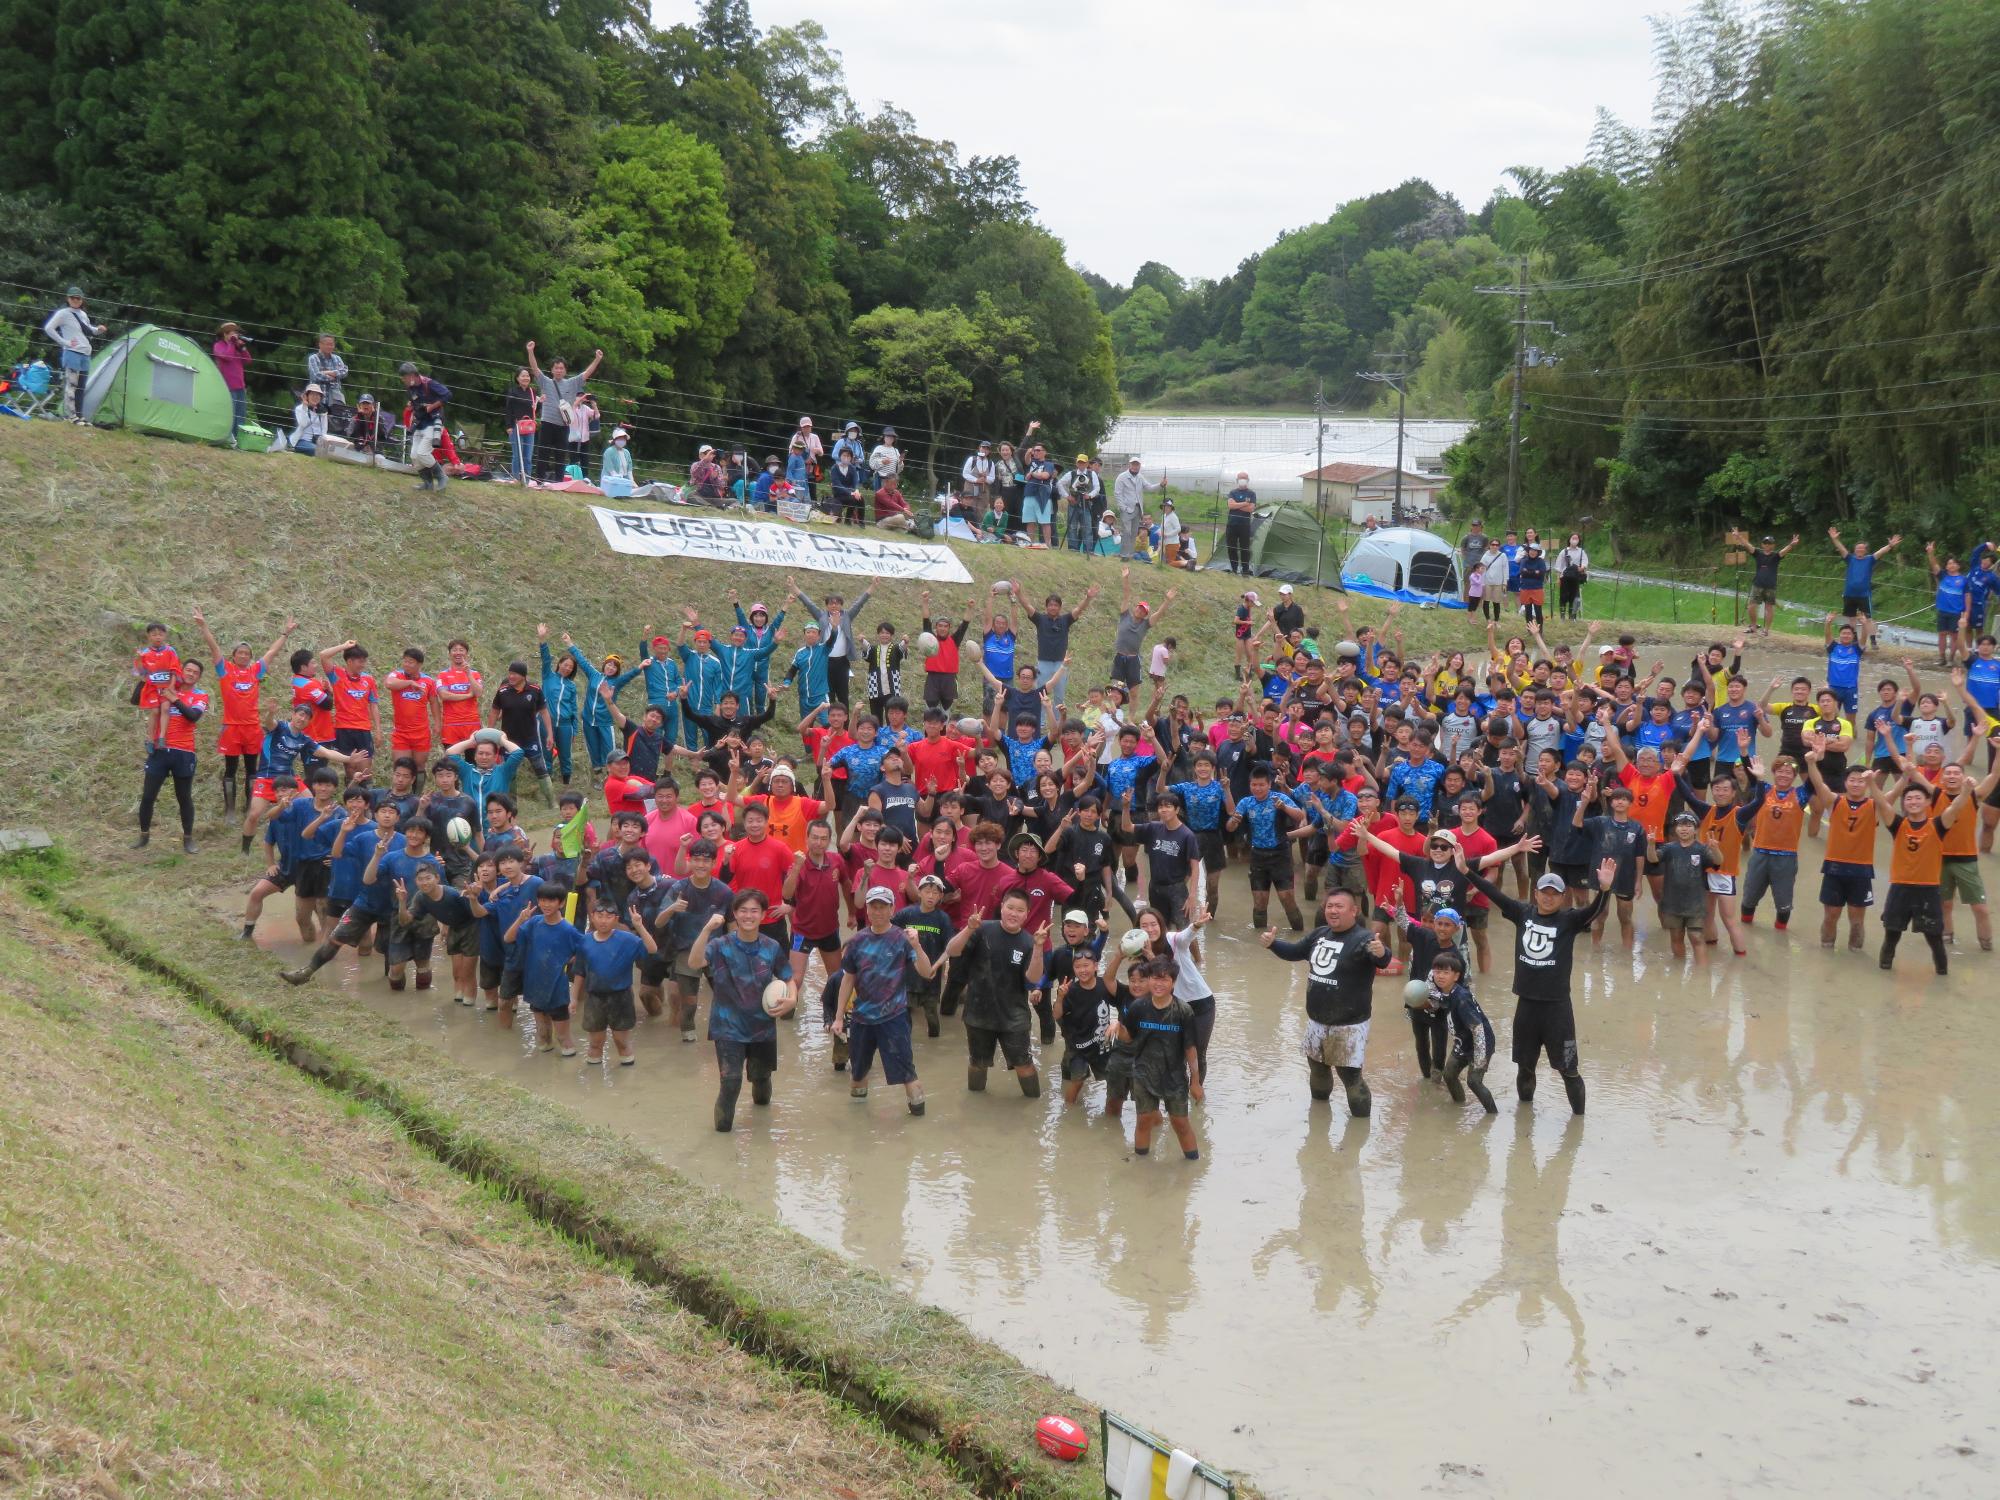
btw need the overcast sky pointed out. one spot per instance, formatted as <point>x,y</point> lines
<point>1192,132</point>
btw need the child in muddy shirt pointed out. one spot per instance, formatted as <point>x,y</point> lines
<point>1165,1069</point>
<point>1471,1032</point>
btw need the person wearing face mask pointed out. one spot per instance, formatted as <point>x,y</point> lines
<point>1242,525</point>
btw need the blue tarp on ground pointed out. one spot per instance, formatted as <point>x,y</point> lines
<point>1359,583</point>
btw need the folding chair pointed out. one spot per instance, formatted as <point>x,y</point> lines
<point>30,392</point>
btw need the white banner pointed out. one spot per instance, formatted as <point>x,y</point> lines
<point>649,533</point>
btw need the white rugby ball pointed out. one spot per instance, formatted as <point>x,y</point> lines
<point>1133,942</point>
<point>777,997</point>
<point>458,831</point>
<point>927,644</point>
<point>489,734</point>
<point>969,727</point>
<point>1416,993</point>
<point>1001,586</point>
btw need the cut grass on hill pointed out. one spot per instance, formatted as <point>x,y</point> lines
<point>224,1279</point>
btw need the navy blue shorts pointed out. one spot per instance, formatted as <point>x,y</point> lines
<point>1947,621</point>
<point>1846,885</point>
<point>890,1038</point>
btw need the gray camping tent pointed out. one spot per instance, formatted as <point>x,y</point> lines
<point>1404,562</point>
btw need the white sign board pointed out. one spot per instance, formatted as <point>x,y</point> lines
<point>650,533</point>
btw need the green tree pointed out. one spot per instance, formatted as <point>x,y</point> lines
<point>1138,326</point>
<point>938,363</point>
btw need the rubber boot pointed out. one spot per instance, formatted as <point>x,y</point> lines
<point>146,838</point>
<point>1322,1079</point>
<point>975,1079</point>
<point>760,1083</point>
<point>725,1103</point>
<point>1573,1086</point>
<point>1031,1084</point>
<point>1359,1100</point>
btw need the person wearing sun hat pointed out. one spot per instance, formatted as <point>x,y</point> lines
<point>1083,492</point>
<point>614,470</point>
<point>232,357</point>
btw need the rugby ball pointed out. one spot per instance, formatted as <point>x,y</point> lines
<point>489,735</point>
<point>777,997</point>
<point>1347,648</point>
<point>1001,585</point>
<point>969,727</point>
<point>458,831</point>
<point>927,644</point>
<point>1134,942</point>
<point>1061,1438</point>
<point>1416,993</point>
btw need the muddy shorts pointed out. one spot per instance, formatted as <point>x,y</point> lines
<point>687,978</point>
<point>1913,907</point>
<point>1545,1026</point>
<point>890,1039</point>
<point>313,877</point>
<point>1146,1101</point>
<point>1013,1045</point>
<point>1336,1046</point>
<point>1082,1064</point>
<point>609,1010</point>
<point>1271,869</point>
<point>462,942</point>
<point>412,940</point>
<point>655,969</point>
<point>1673,921</point>
<point>1761,595</point>
<point>1214,856</point>
<point>356,924</point>
<point>1959,880</point>
<point>489,974</point>
<point>1350,878</point>
<point>1476,917</point>
<point>1842,884</point>
<point>734,1059</point>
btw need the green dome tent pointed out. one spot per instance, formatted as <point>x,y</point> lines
<point>1286,546</point>
<point>155,380</point>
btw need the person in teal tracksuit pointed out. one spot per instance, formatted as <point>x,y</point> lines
<point>809,667</point>
<point>704,679</point>
<point>594,714</point>
<point>747,669</point>
<point>561,695</point>
<point>663,683</point>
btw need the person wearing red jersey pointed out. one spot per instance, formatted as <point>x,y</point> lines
<point>1393,890</point>
<point>239,680</point>
<point>760,863</point>
<point>309,690</point>
<point>980,877</point>
<point>459,691</point>
<point>940,761</point>
<point>413,706</point>
<point>824,734</point>
<point>624,792</point>
<point>812,888</point>
<point>154,666</point>
<point>179,707</point>
<point>1477,844</point>
<point>941,666</point>
<point>353,691</point>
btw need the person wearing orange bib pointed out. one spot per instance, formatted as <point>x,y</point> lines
<point>1718,827</point>
<point>1774,817</point>
<point>1847,873</point>
<point>1960,880</point>
<point>1652,788</point>
<point>1916,863</point>
<point>239,683</point>
<point>791,813</point>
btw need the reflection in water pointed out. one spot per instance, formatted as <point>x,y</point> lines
<point>1788,1181</point>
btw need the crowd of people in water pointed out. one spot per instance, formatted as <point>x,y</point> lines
<point>1043,860</point>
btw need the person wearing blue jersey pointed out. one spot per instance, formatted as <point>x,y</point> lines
<point>1953,605</point>
<point>363,842</point>
<point>747,668</point>
<point>297,859</point>
<point>594,718</point>
<point>563,697</point>
<point>289,752</point>
<point>1982,583</point>
<point>1843,662</point>
<point>546,946</point>
<point>1270,816</point>
<point>741,963</point>
<point>660,668</point>
<point>1205,801</point>
<point>1857,590</point>
<point>809,667</point>
<point>760,626</point>
<point>1416,777</point>
<point>409,939</point>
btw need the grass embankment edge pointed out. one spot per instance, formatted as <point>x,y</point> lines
<point>918,1391</point>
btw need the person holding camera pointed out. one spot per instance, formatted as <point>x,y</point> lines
<point>232,357</point>
<point>1083,492</point>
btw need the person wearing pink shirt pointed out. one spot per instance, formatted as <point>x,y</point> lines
<point>232,356</point>
<point>666,821</point>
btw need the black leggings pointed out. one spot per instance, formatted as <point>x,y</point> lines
<point>229,769</point>
<point>1489,609</point>
<point>1204,1028</point>
<point>836,679</point>
<point>157,777</point>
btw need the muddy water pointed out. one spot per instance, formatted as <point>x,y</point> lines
<point>1766,1262</point>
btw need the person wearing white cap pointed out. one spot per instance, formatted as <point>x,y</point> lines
<point>1545,934</point>
<point>309,421</point>
<point>614,470</point>
<point>707,478</point>
<point>873,1012</point>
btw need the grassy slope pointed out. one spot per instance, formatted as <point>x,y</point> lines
<point>221,1278</point>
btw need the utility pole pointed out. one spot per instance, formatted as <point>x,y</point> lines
<point>1395,380</point>
<point>1522,323</point>
<point>1319,484</point>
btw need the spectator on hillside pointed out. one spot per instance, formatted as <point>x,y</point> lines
<point>1471,554</point>
<point>892,511</point>
<point>559,388</point>
<point>71,329</point>
<point>1242,526</point>
<point>815,452</point>
<point>614,469</point>
<point>1286,614</point>
<point>1572,570</point>
<point>761,487</point>
<point>845,480</point>
<point>1007,480</point>
<point>427,398</point>
<point>327,370</point>
<point>885,460</point>
<point>1081,490</point>
<point>1038,483</point>
<point>232,356</point>
<point>367,426</point>
<point>978,473</point>
<point>522,406</point>
<point>707,481</point>
<point>308,421</point>
<point>849,444</point>
<point>1129,495</point>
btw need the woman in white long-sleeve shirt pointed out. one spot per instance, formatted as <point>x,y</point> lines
<point>1572,569</point>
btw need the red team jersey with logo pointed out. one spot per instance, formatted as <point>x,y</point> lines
<point>458,688</point>
<point>410,714</point>
<point>239,687</point>
<point>315,692</point>
<point>155,668</point>
<point>180,728</point>
<point>353,698</point>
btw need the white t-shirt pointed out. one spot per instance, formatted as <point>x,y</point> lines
<point>1170,527</point>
